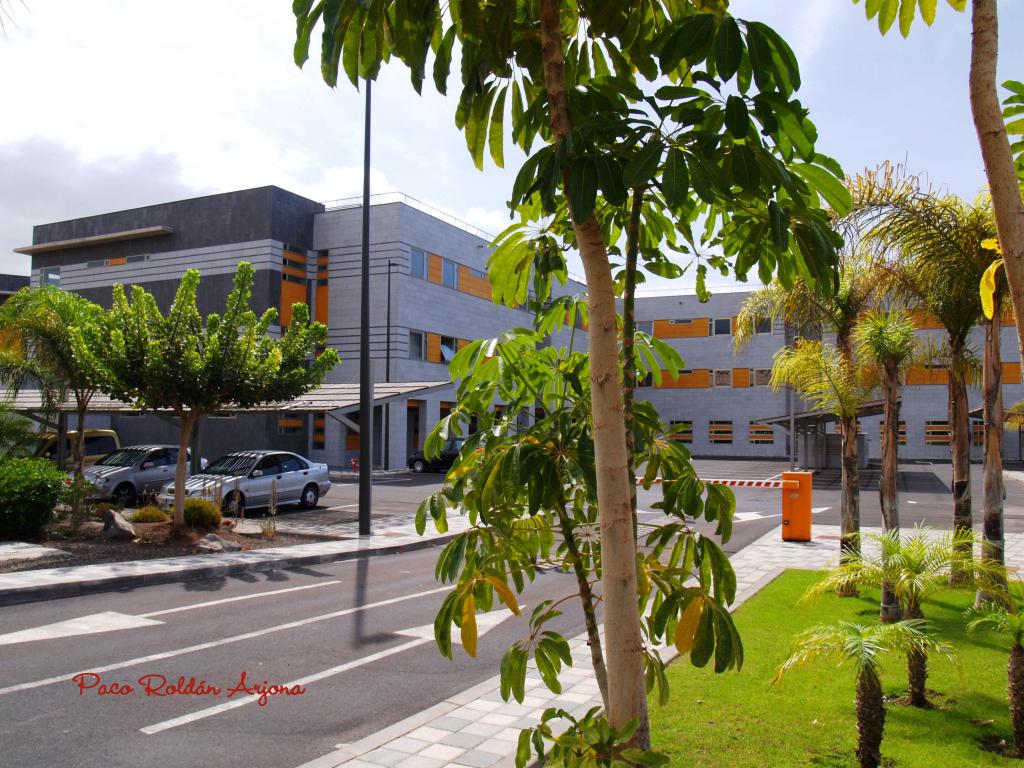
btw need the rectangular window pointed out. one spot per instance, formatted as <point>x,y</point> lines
<point>760,377</point>
<point>977,432</point>
<point>761,434</point>
<point>137,258</point>
<point>418,263</point>
<point>51,276</point>
<point>645,326</point>
<point>720,431</point>
<point>721,326</point>
<point>687,321</point>
<point>449,274</point>
<point>721,378</point>
<point>682,431</point>
<point>417,349</point>
<point>764,325</point>
<point>95,263</point>
<point>646,381</point>
<point>478,273</point>
<point>901,432</point>
<point>936,433</point>
<point>448,348</point>
<point>321,282</point>
<point>285,277</point>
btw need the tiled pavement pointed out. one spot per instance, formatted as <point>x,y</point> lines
<point>477,729</point>
<point>336,523</point>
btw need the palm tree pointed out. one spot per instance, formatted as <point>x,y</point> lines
<point>916,566</point>
<point>806,307</point>
<point>1011,623</point>
<point>824,376</point>
<point>863,646</point>
<point>16,434</point>
<point>35,325</point>
<point>887,339</point>
<point>936,249</point>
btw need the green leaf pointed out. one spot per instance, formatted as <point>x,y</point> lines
<point>642,167</point>
<point>694,34</point>
<point>675,179</point>
<point>778,223</point>
<point>728,48</point>
<point>582,188</point>
<point>745,171</point>
<point>908,9</point>
<point>443,61</point>
<point>825,184</point>
<point>737,119</point>
<point>928,10</point>
<point>496,135</point>
<point>609,178</point>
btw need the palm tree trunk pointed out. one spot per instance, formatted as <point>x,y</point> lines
<point>887,488</point>
<point>992,533</point>
<point>627,694</point>
<point>960,431</point>
<point>1003,183</point>
<point>917,667</point>
<point>849,543</point>
<point>188,420</point>
<point>870,719</point>
<point>82,402</point>
<point>1015,674</point>
<point>628,333</point>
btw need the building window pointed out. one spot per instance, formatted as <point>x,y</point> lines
<point>977,432</point>
<point>687,321</point>
<point>51,276</point>
<point>449,345</point>
<point>682,431</point>
<point>418,263</point>
<point>646,381</point>
<point>901,432</point>
<point>417,347</point>
<point>721,326</point>
<point>95,263</point>
<point>721,378</point>
<point>761,434</point>
<point>285,277</point>
<point>449,274</point>
<point>764,325</point>
<point>478,273</point>
<point>321,282</point>
<point>760,377</point>
<point>645,326</point>
<point>720,431</point>
<point>937,433</point>
<point>137,258</point>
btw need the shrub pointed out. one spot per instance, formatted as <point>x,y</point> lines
<point>29,490</point>
<point>202,513</point>
<point>151,514</point>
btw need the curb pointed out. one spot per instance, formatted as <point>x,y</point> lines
<point>35,593</point>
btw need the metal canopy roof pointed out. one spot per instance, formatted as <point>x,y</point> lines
<point>807,419</point>
<point>327,397</point>
<point>110,237</point>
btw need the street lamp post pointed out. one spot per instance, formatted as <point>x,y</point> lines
<point>387,376</point>
<point>365,375</point>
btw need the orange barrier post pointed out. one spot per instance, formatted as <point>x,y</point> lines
<point>796,506</point>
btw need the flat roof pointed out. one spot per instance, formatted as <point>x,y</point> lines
<point>82,242</point>
<point>814,418</point>
<point>327,397</point>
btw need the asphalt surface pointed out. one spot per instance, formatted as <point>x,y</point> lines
<point>347,614</point>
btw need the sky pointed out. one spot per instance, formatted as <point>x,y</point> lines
<point>116,104</point>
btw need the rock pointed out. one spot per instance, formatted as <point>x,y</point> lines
<point>116,528</point>
<point>211,542</point>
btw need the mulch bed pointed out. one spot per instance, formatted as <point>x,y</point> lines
<point>88,547</point>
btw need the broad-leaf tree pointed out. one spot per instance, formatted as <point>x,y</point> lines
<point>679,95</point>
<point>195,366</point>
<point>1003,174</point>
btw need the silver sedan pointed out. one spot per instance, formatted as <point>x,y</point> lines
<point>248,480</point>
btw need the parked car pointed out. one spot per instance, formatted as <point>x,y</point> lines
<point>135,470</point>
<point>98,443</point>
<point>243,480</point>
<point>420,463</point>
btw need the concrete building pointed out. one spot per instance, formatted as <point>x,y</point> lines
<point>11,284</point>
<point>430,297</point>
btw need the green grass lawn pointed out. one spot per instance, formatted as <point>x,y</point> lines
<point>735,720</point>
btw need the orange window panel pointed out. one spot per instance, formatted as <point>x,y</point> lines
<point>291,422</point>
<point>920,374</point>
<point>1011,373</point>
<point>322,261</point>
<point>937,433</point>
<point>720,431</point>
<point>685,433</point>
<point>352,441</point>
<point>735,323</point>
<point>924,320</point>
<point>291,293</point>
<point>740,376</point>
<point>295,256</point>
<point>695,379</point>
<point>681,329</point>
<point>761,434</point>
<point>901,432</point>
<point>472,284</point>
<point>322,303</point>
<point>116,262</point>
<point>434,348</point>
<point>434,273</point>
<point>977,432</point>
<point>293,271</point>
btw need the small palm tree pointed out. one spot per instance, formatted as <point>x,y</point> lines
<point>887,338</point>
<point>1011,623</point>
<point>17,438</point>
<point>863,646</point>
<point>916,566</point>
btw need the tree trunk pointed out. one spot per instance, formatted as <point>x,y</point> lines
<point>79,451</point>
<point>1015,674</point>
<point>960,431</point>
<point>887,487</point>
<point>849,543</point>
<point>992,534</point>
<point>627,694</point>
<point>188,420</point>
<point>870,719</point>
<point>628,333</point>
<point>1003,183</point>
<point>917,667</point>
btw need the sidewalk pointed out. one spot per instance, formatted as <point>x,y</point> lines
<point>390,535</point>
<point>478,729</point>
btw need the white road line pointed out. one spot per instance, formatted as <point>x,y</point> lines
<point>214,643</point>
<point>421,636</point>
<point>343,506</point>
<point>107,621</point>
<point>235,599</point>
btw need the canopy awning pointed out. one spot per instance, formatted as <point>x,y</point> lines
<point>806,419</point>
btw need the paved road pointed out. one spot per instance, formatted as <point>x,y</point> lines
<point>341,624</point>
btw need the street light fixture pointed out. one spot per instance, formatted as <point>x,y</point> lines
<point>365,375</point>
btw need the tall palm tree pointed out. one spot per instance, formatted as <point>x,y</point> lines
<point>862,646</point>
<point>886,338</point>
<point>824,376</point>
<point>935,249</point>
<point>35,326</point>
<point>1007,622</point>
<point>917,566</point>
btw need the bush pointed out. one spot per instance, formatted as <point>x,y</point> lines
<point>202,513</point>
<point>29,490</point>
<point>151,514</point>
